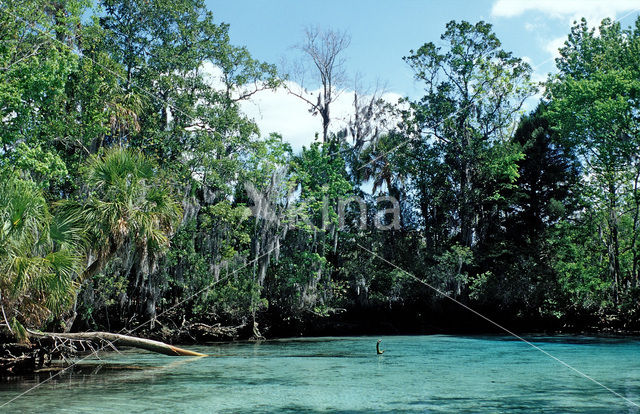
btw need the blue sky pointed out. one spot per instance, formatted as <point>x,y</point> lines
<point>384,31</point>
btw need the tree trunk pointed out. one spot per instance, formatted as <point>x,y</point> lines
<point>614,244</point>
<point>123,340</point>
<point>465,210</point>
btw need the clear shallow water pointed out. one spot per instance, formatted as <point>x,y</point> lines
<point>417,374</point>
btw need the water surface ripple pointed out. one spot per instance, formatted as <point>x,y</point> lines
<point>417,374</point>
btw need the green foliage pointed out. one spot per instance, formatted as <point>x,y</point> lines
<point>39,255</point>
<point>129,213</point>
<point>127,166</point>
<point>581,271</point>
<point>474,92</point>
<point>448,275</point>
<point>228,223</point>
<point>322,180</point>
<point>44,167</point>
<point>233,299</point>
<point>128,200</point>
<point>295,282</point>
<point>594,102</point>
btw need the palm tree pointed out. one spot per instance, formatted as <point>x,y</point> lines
<point>130,211</point>
<point>379,163</point>
<point>40,255</point>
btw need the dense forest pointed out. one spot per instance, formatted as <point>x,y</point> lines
<point>135,195</point>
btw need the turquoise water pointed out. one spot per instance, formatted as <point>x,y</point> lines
<point>430,374</point>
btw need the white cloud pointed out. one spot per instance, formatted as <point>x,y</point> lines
<point>532,27</point>
<point>593,10</point>
<point>553,45</point>
<point>279,111</point>
<point>213,75</point>
<point>567,10</point>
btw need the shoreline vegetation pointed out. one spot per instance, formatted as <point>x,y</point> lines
<point>52,352</point>
<point>136,196</point>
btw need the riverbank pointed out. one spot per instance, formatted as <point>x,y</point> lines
<point>26,358</point>
<point>444,319</point>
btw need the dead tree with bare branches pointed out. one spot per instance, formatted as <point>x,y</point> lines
<point>324,50</point>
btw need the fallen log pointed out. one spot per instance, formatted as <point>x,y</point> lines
<point>123,340</point>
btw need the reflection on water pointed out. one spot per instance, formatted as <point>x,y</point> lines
<point>416,374</point>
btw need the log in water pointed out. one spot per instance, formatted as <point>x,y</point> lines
<point>117,340</point>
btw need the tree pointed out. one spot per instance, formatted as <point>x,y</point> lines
<point>35,35</point>
<point>385,162</point>
<point>128,211</point>
<point>324,49</point>
<point>594,102</point>
<point>519,254</point>
<point>189,75</point>
<point>548,177</point>
<point>372,117</point>
<point>303,278</point>
<point>191,80</point>
<point>473,93</point>
<point>40,256</point>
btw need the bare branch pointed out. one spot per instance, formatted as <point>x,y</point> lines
<point>324,49</point>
